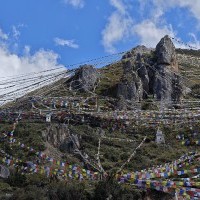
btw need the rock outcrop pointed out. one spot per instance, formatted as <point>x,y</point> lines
<point>167,83</point>
<point>59,137</point>
<point>148,72</point>
<point>4,172</point>
<point>85,79</point>
<point>166,53</point>
<point>130,86</point>
<point>139,50</point>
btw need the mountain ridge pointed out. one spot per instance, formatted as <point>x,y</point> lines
<point>93,120</point>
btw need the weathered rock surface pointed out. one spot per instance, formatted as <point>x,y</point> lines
<point>148,72</point>
<point>4,172</point>
<point>59,137</point>
<point>167,83</point>
<point>130,86</point>
<point>85,79</point>
<point>166,53</point>
<point>140,49</point>
<point>144,76</point>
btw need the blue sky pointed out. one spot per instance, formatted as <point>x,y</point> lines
<point>42,34</point>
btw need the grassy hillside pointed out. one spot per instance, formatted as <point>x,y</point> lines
<point>115,149</point>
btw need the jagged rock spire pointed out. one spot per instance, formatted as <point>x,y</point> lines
<point>151,73</point>
<point>166,53</point>
<point>167,84</point>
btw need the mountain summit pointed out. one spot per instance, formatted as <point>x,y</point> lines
<point>144,72</point>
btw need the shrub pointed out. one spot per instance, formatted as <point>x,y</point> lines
<point>67,191</point>
<point>17,180</point>
<point>31,192</point>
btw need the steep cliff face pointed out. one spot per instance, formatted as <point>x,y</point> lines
<point>148,72</point>
<point>167,85</point>
<point>130,86</point>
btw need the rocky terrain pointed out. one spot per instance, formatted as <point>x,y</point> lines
<point>105,121</point>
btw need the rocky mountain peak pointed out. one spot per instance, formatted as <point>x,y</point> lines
<point>138,50</point>
<point>145,73</point>
<point>166,53</point>
<point>151,72</point>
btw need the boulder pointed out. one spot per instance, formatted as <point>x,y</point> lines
<point>70,144</point>
<point>166,54</point>
<point>57,135</point>
<point>61,137</point>
<point>4,172</point>
<point>84,79</point>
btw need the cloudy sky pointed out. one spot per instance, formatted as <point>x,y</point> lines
<point>41,34</point>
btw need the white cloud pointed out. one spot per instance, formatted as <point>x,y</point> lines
<point>150,30</point>
<point>119,6</point>
<point>162,5</point>
<point>27,50</point>
<point>3,35</point>
<point>150,34</point>
<point>16,32</point>
<point>75,3</point>
<point>118,26</point>
<point>194,43</point>
<point>13,64</point>
<point>68,43</point>
<point>157,26</point>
